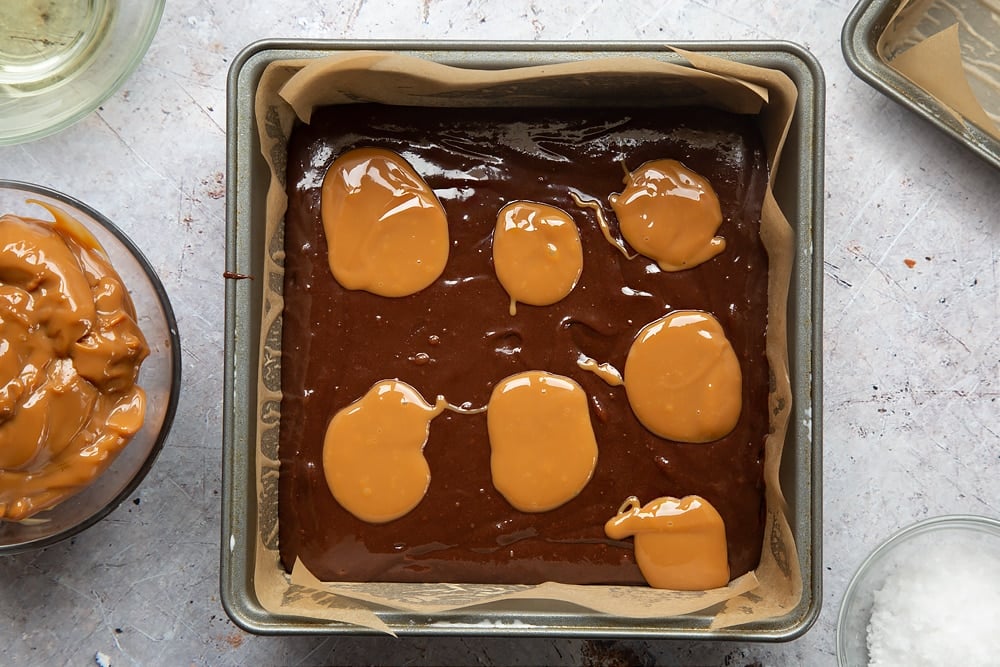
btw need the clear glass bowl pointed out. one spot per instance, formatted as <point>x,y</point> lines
<point>60,59</point>
<point>911,545</point>
<point>159,376</point>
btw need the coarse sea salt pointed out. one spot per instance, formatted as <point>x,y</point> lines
<point>940,608</point>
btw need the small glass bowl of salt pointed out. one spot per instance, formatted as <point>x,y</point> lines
<point>930,595</point>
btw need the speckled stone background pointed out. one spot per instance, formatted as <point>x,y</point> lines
<point>912,358</point>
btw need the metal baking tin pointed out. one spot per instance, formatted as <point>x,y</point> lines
<point>799,190</point>
<point>865,24</point>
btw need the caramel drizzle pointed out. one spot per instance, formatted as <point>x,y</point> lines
<point>602,222</point>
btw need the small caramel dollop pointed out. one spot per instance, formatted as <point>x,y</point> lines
<point>683,379</point>
<point>543,449</point>
<point>70,351</point>
<point>680,544</point>
<point>537,254</point>
<point>373,453</point>
<point>386,230</point>
<point>670,214</point>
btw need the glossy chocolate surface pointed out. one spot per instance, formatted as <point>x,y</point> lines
<point>457,338</point>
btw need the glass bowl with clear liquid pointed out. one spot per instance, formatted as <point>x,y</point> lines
<point>60,59</point>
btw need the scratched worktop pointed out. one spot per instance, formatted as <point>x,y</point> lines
<point>912,358</point>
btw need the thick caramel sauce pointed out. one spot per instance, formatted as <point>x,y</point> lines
<point>70,351</point>
<point>373,454</point>
<point>386,229</point>
<point>670,214</point>
<point>543,450</point>
<point>680,544</point>
<point>683,378</point>
<point>536,253</point>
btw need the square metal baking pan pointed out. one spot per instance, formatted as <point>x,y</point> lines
<point>859,39</point>
<point>799,191</point>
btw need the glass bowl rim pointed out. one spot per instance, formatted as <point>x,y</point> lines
<point>143,40</point>
<point>175,367</point>
<point>963,521</point>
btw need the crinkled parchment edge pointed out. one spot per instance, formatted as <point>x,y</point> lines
<point>291,89</point>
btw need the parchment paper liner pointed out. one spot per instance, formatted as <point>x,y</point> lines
<point>947,49</point>
<point>295,87</point>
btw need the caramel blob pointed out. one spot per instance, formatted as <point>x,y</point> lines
<point>680,544</point>
<point>537,253</point>
<point>543,449</point>
<point>373,453</point>
<point>683,379</point>
<point>670,214</point>
<point>70,352</point>
<point>386,230</point>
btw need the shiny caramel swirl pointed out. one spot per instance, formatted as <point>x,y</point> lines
<point>70,351</point>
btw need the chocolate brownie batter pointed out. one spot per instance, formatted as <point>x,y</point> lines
<point>457,338</point>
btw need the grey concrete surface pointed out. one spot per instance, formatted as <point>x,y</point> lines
<point>912,359</point>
